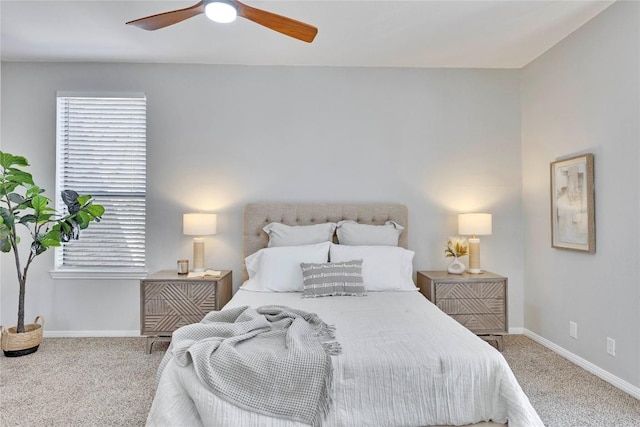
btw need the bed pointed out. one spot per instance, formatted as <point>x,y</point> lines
<point>403,361</point>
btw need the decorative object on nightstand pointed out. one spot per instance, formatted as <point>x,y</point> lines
<point>206,273</point>
<point>474,224</point>
<point>183,266</point>
<point>477,302</point>
<point>199,225</point>
<point>456,247</point>
<point>169,301</point>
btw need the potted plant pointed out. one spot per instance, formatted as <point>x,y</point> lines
<point>23,205</point>
<point>456,247</point>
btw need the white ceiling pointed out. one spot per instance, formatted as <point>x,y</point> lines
<point>450,33</point>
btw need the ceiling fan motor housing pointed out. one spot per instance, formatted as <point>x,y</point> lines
<point>221,11</point>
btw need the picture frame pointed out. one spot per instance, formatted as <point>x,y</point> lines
<point>572,204</point>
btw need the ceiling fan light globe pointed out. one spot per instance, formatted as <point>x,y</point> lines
<point>220,12</point>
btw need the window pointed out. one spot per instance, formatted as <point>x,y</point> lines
<point>101,150</point>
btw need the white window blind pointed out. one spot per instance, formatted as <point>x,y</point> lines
<point>101,150</point>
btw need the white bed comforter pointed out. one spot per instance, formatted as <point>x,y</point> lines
<point>404,363</point>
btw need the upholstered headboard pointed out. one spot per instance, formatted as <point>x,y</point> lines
<point>257,215</point>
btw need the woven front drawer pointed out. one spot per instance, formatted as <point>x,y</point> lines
<point>489,289</point>
<point>482,323</point>
<point>168,306</point>
<point>471,305</point>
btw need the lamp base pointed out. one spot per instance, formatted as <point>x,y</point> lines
<point>198,254</point>
<point>474,256</point>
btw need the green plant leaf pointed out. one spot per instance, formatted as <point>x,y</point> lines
<point>7,160</point>
<point>7,217</point>
<point>64,227</point>
<point>26,219</point>
<point>70,199</point>
<point>44,217</point>
<point>16,198</point>
<point>8,187</point>
<point>84,199</point>
<point>83,219</point>
<point>34,190</point>
<point>37,248</point>
<point>69,230</point>
<point>5,245</point>
<point>19,177</point>
<point>96,210</point>
<point>39,203</point>
<point>51,239</point>
<point>4,231</point>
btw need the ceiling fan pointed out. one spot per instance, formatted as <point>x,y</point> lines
<point>226,11</point>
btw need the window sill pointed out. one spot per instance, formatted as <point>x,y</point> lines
<point>99,274</point>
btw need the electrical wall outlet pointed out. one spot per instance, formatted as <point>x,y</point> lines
<point>611,346</point>
<point>573,329</point>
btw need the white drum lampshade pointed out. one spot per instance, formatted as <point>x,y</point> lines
<point>474,224</point>
<point>199,225</point>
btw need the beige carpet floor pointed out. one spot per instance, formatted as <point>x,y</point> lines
<point>110,382</point>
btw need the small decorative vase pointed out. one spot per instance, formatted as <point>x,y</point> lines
<point>456,267</point>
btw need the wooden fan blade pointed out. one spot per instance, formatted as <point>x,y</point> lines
<point>290,27</point>
<point>165,19</point>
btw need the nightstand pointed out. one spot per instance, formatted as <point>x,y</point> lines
<point>477,301</point>
<point>169,300</point>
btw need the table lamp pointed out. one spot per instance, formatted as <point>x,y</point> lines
<point>474,224</point>
<point>198,224</point>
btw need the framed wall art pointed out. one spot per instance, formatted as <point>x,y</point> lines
<point>572,204</point>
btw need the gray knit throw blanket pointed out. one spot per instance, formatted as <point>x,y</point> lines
<point>273,360</point>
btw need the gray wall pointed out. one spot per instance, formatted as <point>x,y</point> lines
<point>441,141</point>
<point>583,96</point>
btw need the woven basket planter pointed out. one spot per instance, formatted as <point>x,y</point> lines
<point>20,344</point>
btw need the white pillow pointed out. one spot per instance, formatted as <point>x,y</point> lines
<point>384,268</point>
<point>278,269</point>
<point>298,235</point>
<point>354,234</point>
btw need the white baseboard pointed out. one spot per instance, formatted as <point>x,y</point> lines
<point>585,364</point>
<point>90,334</point>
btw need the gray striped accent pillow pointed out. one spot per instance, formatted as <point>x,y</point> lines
<point>334,278</point>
